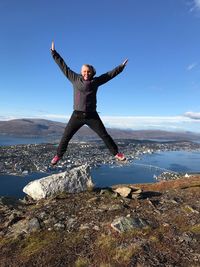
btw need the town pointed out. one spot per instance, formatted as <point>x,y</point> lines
<point>26,159</point>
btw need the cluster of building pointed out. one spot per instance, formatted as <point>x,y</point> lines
<point>25,159</point>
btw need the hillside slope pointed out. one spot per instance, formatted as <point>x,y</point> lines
<point>76,229</point>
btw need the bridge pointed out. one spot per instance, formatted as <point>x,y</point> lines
<point>153,167</point>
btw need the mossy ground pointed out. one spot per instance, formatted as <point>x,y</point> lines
<point>172,238</point>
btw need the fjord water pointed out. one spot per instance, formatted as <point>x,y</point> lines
<point>12,185</point>
<point>139,171</point>
<point>6,140</point>
<point>145,170</point>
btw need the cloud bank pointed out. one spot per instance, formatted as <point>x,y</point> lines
<point>190,121</point>
<point>169,123</point>
<point>193,115</point>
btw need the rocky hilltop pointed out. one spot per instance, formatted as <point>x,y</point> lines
<point>151,225</point>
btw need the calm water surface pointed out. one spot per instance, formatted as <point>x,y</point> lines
<point>10,140</point>
<point>142,171</point>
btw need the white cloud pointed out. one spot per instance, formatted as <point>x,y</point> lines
<point>192,115</point>
<point>57,117</point>
<point>60,117</point>
<point>191,66</point>
<point>6,118</point>
<point>197,3</point>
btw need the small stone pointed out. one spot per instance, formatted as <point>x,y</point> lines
<point>70,222</point>
<point>123,191</point>
<point>33,225</point>
<point>96,228</point>
<point>135,196</point>
<point>124,224</point>
<point>84,226</point>
<point>59,226</point>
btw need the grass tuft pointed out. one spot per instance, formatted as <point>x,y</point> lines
<point>82,262</point>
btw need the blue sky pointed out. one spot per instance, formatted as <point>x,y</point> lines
<point>159,88</point>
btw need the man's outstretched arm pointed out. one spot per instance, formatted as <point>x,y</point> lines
<point>111,74</point>
<point>71,75</point>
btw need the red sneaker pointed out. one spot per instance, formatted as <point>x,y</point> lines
<point>55,160</point>
<point>120,156</point>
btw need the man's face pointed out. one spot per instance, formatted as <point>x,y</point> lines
<point>86,72</point>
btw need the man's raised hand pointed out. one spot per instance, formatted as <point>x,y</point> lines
<point>52,46</point>
<point>125,62</point>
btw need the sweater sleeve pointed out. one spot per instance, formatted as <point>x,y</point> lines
<point>109,75</point>
<point>71,75</point>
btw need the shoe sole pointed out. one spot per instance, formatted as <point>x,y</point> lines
<point>125,159</point>
<point>53,163</point>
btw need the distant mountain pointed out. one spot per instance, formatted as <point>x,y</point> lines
<point>47,128</point>
<point>31,127</point>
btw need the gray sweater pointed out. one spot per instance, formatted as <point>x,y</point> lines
<point>85,92</point>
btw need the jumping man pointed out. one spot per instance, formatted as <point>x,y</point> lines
<point>85,87</point>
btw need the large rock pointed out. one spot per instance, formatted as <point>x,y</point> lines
<point>76,180</point>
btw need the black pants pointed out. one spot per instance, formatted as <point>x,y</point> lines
<point>92,119</point>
